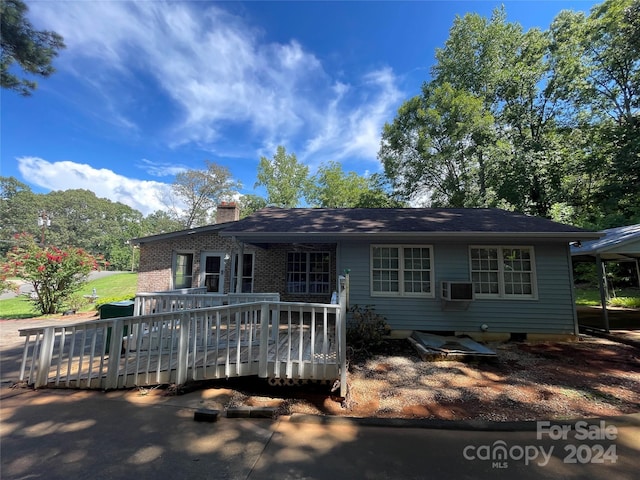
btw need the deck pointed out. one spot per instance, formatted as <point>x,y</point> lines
<point>275,340</point>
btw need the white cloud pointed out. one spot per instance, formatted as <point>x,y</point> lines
<point>142,195</point>
<point>355,131</point>
<point>220,74</point>
<point>159,169</point>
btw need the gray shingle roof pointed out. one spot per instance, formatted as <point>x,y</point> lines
<point>354,221</point>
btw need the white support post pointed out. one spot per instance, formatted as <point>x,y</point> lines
<point>115,347</point>
<point>342,318</point>
<point>263,365</point>
<point>240,267</point>
<point>25,353</point>
<point>44,360</point>
<point>183,349</point>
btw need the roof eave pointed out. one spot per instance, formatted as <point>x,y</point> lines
<point>180,233</point>
<point>570,236</point>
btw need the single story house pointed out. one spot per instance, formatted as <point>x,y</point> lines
<point>485,272</point>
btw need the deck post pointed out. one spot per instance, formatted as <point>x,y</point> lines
<point>183,349</point>
<point>341,318</point>
<point>265,315</point>
<point>44,360</point>
<point>115,348</point>
<point>604,293</point>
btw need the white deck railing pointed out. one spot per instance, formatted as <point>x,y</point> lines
<point>270,339</point>
<point>160,302</point>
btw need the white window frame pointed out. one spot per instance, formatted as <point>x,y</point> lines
<point>401,292</point>
<point>308,273</point>
<point>501,274</point>
<point>203,266</point>
<point>174,268</point>
<point>234,277</point>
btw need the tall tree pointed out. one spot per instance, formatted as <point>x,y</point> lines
<point>331,187</point>
<point>199,192</point>
<point>33,50</point>
<point>159,222</point>
<point>19,208</point>
<point>251,203</point>
<point>429,152</point>
<point>490,128</point>
<point>284,177</point>
<point>599,57</point>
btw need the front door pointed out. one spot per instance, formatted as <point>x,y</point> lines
<point>213,272</point>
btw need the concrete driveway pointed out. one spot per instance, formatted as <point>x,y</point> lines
<point>62,434</point>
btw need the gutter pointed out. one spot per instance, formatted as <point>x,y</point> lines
<point>538,235</point>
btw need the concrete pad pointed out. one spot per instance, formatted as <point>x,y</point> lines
<point>336,451</point>
<point>70,434</point>
<point>63,434</point>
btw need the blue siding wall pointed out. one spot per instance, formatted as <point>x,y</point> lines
<point>552,312</point>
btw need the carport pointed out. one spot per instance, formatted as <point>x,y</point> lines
<point>620,244</point>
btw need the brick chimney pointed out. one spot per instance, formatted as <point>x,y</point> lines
<point>227,212</point>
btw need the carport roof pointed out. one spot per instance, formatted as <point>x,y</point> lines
<point>620,243</point>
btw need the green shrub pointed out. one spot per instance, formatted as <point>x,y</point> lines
<point>626,302</point>
<point>365,329</point>
<point>104,300</point>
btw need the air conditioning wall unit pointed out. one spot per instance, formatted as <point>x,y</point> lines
<point>456,291</point>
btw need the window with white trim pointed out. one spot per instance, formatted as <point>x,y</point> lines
<point>308,272</point>
<point>247,273</point>
<point>507,272</point>
<point>183,270</point>
<point>401,270</point>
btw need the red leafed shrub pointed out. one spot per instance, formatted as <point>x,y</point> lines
<point>54,273</point>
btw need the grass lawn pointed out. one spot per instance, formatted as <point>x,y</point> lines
<point>109,289</point>
<point>627,297</point>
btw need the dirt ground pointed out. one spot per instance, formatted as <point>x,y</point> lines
<point>527,381</point>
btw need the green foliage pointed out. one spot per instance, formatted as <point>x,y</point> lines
<point>331,187</point>
<point>429,149</point>
<point>365,329</point>
<point>626,301</point>
<point>158,222</point>
<point>54,273</point>
<point>78,218</point>
<point>584,273</point>
<point>284,177</point>
<point>626,298</point>
<point>33,50</point>
<point>250,204</point>
<point>112,299</point>
<point>543,122</point>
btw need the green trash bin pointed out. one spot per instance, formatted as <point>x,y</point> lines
<point>116,310</point>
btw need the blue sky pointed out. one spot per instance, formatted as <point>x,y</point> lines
<point>146,89</point>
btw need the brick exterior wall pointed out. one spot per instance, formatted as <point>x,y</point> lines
<point>156,259</point>
<point>270,264</point>
<point>271,272</point>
